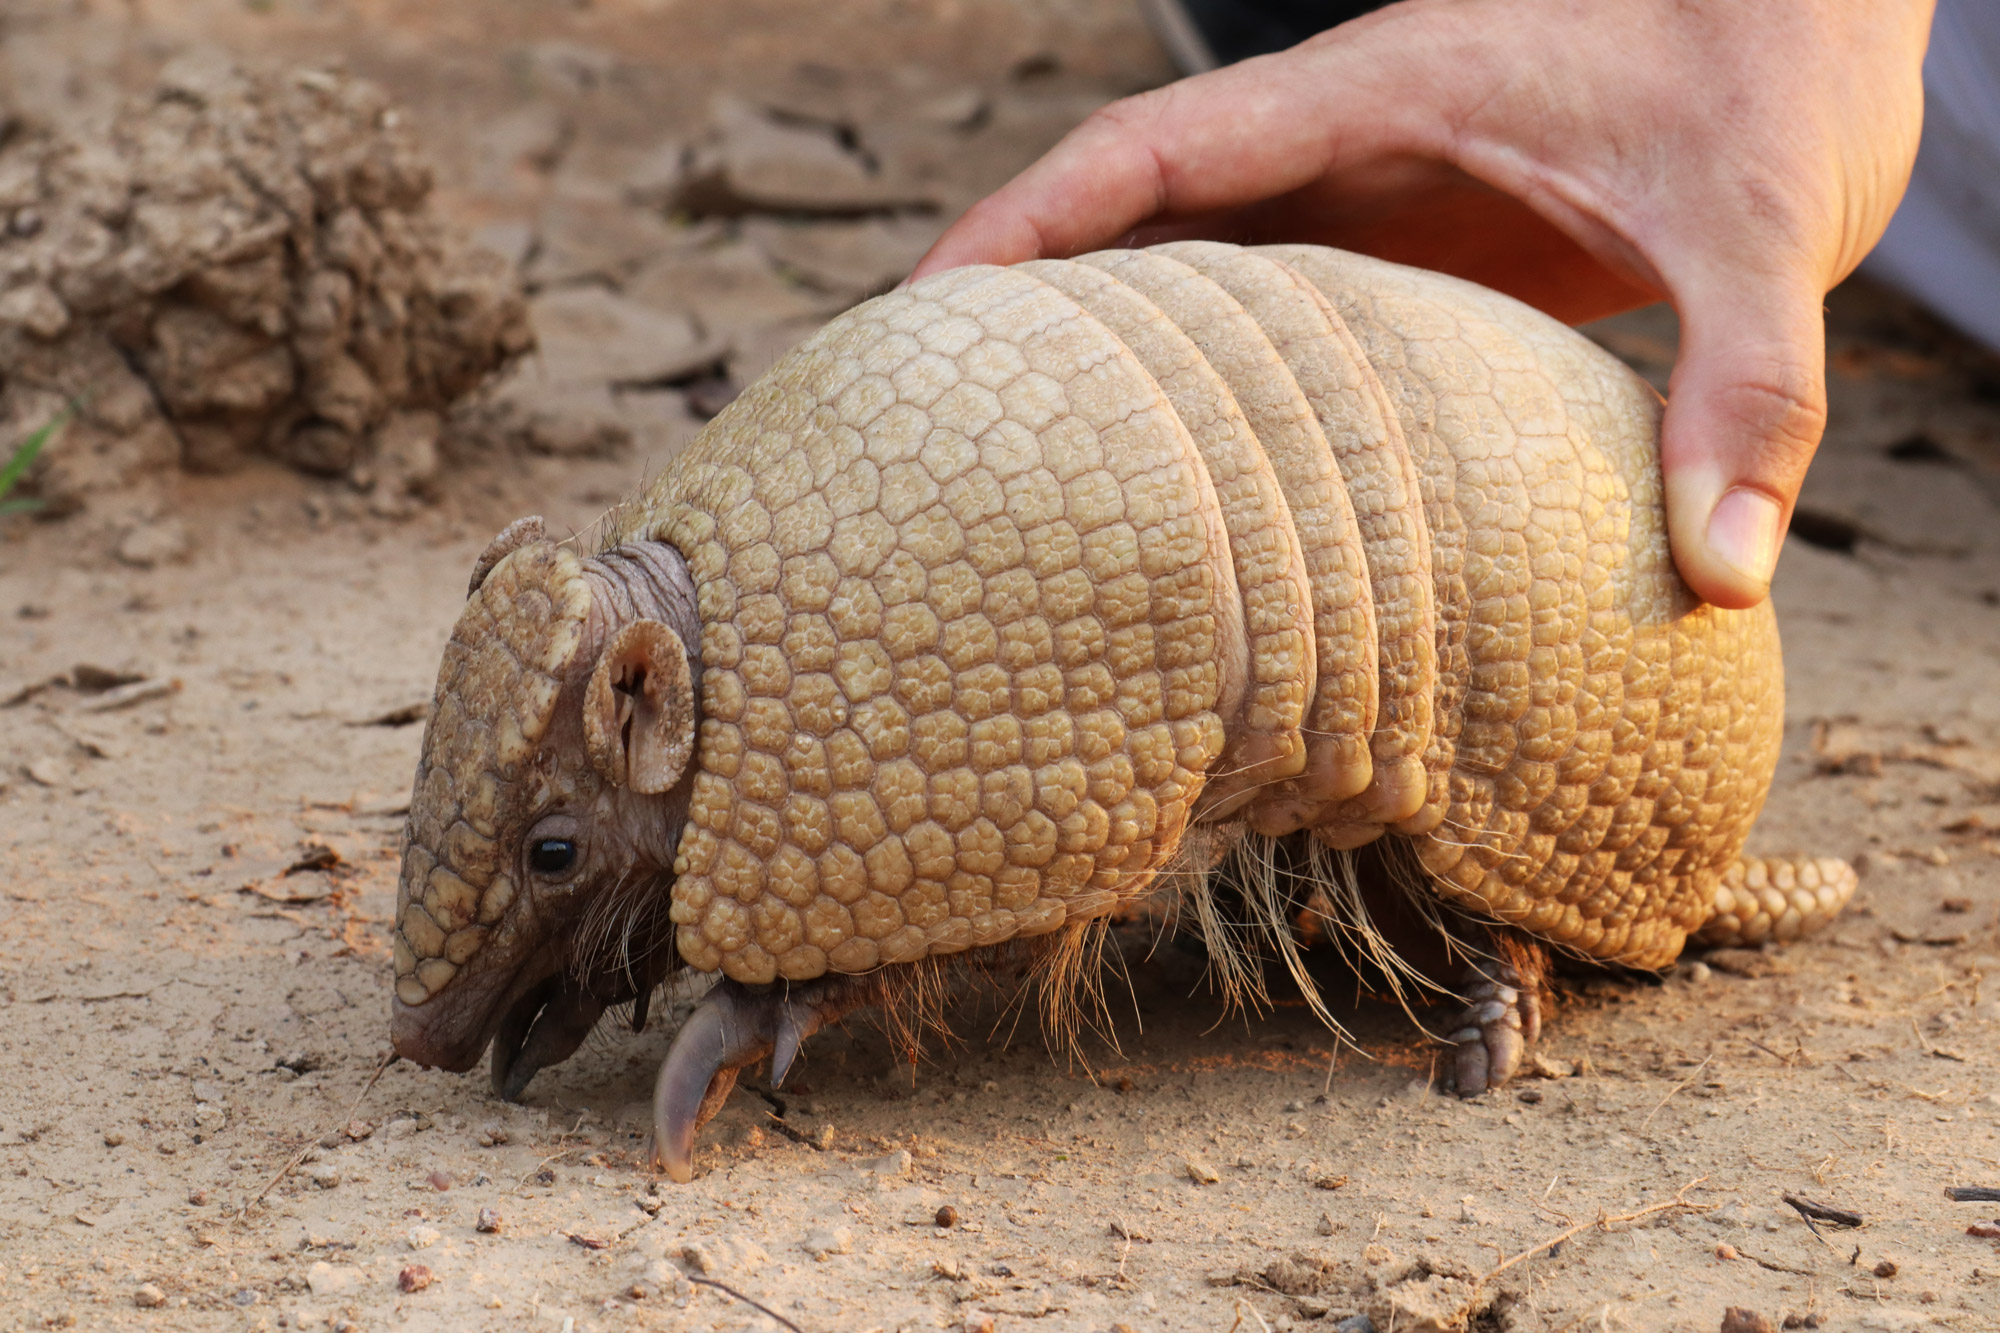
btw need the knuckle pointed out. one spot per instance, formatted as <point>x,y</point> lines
<point>1783,404</point>
<point>1128,115</point>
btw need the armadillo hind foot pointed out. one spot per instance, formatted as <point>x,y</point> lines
<point>1501,1022</point>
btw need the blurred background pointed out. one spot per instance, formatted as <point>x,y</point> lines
<point>303,300</point>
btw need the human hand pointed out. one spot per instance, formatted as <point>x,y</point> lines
<point>1737,157</point>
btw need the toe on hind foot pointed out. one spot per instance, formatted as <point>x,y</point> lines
<point>1501,1019</point>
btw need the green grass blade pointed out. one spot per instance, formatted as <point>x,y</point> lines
<point>24,456</point>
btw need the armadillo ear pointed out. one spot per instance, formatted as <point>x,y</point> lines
<point>639,713</point>
<point>521,532</point>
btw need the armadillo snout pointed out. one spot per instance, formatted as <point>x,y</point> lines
<point>427,1037</point>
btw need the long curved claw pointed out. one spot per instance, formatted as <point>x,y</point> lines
<point>544,1028</point>
<point>698,1074</point>
<point>797,1020</point>
<point>515,1025</point>
<point>732,1028</point>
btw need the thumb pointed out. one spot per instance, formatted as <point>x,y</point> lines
<point>1745,411</point>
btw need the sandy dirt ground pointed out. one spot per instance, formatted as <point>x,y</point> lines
<point>204,759</point>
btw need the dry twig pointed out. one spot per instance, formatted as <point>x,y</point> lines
<point>1809,1210</point>
<point>313,1142</point>
<point>756,1305</point>
<point>1602,1223</point>
<point>1671,1091</point>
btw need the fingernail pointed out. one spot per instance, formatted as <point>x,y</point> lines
<point>1743,533</point>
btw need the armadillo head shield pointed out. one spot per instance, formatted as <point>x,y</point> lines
<point>559,721</point>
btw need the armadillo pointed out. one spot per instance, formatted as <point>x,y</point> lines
<point>1017,595</point>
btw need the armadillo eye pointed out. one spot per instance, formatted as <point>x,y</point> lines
<point>552,856</point>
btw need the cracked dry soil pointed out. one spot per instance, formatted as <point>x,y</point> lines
<point>203,764</point>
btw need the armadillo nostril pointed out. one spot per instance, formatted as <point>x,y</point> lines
<point>409,1033</point>
<point>426,1035</point>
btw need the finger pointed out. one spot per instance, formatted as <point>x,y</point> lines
<point>1746,411</point>
<point>1218,141</point>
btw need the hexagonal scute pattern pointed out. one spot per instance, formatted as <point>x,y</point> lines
<point>997,572</point>
<point>964,588</point>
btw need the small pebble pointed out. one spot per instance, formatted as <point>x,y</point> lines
<point>821,1242</point>
<point>1697,973</point>
<point>112,1138</point>
<point>149,1297</point>
<point>1325,1226</point>
<point>1529,1095</point>
<point>947,1216</point>
<point>415,1278</point>
<point>489,1221</point>
<point>1329,1182</point>
<point>1736,1319</point>
<point>440,1180</point>
<point>1201,1173</point>
<point>896,1163</point>
<point>491,1136</point>
<point>198,1197</point>
<point>1726,1251</point>
<point>978,1321</point>
<point>1886,1268</point>
<point>422,1238</point>
<point>323,1175</point>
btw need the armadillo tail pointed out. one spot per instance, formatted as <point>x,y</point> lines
<point>1774,900</point>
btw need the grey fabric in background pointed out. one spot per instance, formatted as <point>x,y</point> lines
<point>1943,246</point>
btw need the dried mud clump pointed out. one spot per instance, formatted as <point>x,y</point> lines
<point>238,265</point>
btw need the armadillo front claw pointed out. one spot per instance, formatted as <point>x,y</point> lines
<point>1502,1019</point>
<point>732,1028</point>
<point>543,1028</point>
